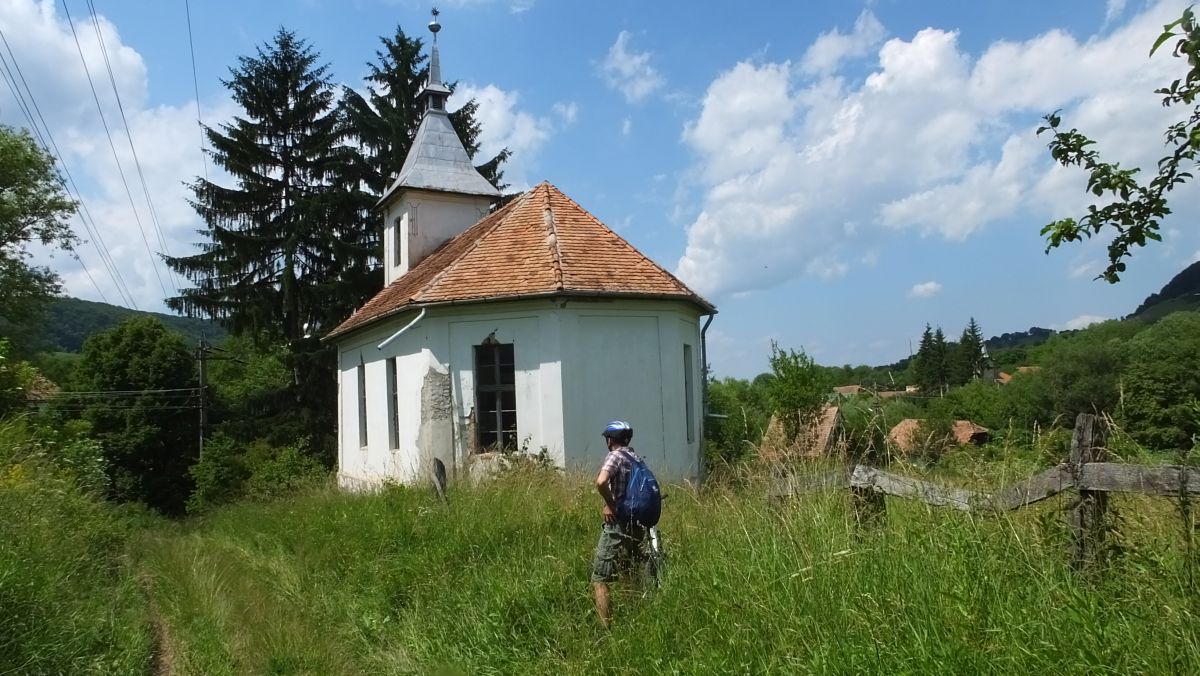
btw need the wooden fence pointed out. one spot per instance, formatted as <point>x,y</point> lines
<point>1086,472</point>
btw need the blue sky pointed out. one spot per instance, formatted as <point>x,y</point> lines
<point>833,175</point>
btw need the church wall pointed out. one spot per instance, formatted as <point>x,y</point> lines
<point>437,217</point>
<point>624,359</point>
<point>579,364</point>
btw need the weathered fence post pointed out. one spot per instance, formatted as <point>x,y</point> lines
<point>1086,516</point>
<point>870,505</point>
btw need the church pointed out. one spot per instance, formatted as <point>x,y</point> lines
<point>520,328</point>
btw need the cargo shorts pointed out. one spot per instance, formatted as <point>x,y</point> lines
<point>619,548</point>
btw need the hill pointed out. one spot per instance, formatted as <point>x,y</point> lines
<point>1181,293</point>
<point>69,321</point>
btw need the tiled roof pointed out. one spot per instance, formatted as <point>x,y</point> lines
<point>903,435</point>
<point>541,243</point>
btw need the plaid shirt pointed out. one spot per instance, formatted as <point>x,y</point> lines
<point>618,466</point>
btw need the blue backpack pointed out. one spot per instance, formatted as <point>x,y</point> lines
<point>642,503</point>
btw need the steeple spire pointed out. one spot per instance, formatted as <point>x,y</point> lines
<point>435,92</point>
<point>437,160</point>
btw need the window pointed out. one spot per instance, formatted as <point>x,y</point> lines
<point>393,409</point>
<point>396,237</point>
<point>412,219</point>
<point>362,404</point>
<point>688,390</point>
<point>495,395</point>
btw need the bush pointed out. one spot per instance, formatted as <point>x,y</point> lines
<point>219,476</point>
<point>279,471</point>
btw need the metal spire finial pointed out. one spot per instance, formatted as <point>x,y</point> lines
<point>434,26</point>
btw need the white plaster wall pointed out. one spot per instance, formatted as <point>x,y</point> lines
<point>439,217</point>
<point>579,364</point>
<point>625,360</point>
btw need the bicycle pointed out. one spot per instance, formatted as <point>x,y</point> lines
<point>655,557</point>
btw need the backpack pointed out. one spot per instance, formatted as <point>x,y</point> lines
<point>642,503</point>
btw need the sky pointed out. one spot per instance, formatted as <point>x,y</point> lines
<point>832,175</point>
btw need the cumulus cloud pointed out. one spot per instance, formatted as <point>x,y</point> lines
<point>629,71</point>
<point>934,141</point>
<point>166,138</point>
<point>504,125</point>
<point>626,126</point>
<point>1113,10</point>
<point>831,48</point>
<point>1082,322</point>
<point>925,289</point>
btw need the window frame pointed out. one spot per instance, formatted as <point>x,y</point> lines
<point>491,433</point>
<point>393,407</point>
<point>362,404</point>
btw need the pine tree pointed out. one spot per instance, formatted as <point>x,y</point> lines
<point>285,251</point>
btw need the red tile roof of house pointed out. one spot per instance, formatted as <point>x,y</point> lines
<point>539,244</point>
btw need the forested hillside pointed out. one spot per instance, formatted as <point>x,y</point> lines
<point>69,322</point>
<point>1181,293</point>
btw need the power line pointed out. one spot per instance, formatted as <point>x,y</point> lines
<point>97,241</point>
<point>196,86</point>
<point>120,171</point>
<point>162,241</point>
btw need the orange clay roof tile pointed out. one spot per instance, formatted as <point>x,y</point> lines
<point>540,243</point>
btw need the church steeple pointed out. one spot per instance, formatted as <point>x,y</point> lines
<point>435,92</point>
<point>438,193</point>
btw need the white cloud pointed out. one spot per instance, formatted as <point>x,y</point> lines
<point>629,71</point>
<point>166,137</point>
<point>934,141</point>
<point>1112,10</point>
<point>566,112</point>
<point>925,290</point>
<point>831,48</point>
<point>827,267</point>
<point>1195,257</point>
<point>504,125</point>
<point>1082,322</point>
<point>626,126</point>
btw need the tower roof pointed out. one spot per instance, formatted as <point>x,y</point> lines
<point>540,244</point>
<point>436,158</point>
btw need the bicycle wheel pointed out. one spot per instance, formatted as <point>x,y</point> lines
<point>656,558</point>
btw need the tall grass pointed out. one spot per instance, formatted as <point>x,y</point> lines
<point>497,582</point>
<point>68,602</point>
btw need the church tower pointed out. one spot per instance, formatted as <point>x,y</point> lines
<point>438,193</point>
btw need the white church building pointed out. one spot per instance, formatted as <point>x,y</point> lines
<point>523,327</point>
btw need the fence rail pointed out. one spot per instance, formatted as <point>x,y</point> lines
<point>1107,477</point>
<point>1086,473</point>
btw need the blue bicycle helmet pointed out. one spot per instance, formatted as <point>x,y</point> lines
<point>619,430</point>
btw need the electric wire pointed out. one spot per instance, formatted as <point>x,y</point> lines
<point>162,241</point>
<point>84,216</point>
<point>196,86</point>
<point>77,195</point>
<point>120,171</point>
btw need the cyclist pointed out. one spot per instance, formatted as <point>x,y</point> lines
<point>620,543</point>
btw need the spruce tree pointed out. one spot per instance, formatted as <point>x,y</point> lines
<point>970,356</point>
<point>284,250</point>
<point>939,361</point>
<point>924,362</point>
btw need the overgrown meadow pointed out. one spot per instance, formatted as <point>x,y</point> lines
<point>496,581</point>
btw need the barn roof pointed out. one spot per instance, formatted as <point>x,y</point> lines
<point>540,244</point>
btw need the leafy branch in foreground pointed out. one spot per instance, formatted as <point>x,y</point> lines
<point>1138,209</point>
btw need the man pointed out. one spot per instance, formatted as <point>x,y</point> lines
<point>617,538</point>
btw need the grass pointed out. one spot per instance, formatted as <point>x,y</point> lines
<point>497,582</point>
<point>69,603</point>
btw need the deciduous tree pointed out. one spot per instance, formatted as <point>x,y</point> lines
<point>1137,207</point>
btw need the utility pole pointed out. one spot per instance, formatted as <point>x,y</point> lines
<point>202,357</point>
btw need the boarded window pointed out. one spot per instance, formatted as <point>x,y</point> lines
<point>688,392</point>
<point>412,219</point>
<point>362,404</point>
<point>495,396</point>
<point>393,409</point>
